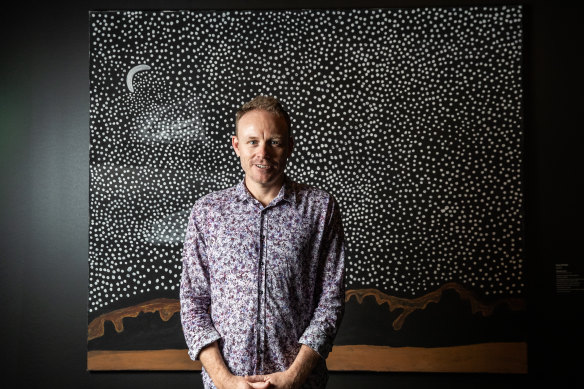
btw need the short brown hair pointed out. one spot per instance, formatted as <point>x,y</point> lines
<point>267,103</point>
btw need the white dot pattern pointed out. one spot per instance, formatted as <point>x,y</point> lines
<point>411,118</point>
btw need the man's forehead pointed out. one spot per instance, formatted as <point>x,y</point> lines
<point>251,119</point>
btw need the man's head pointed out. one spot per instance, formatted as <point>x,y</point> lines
<point>266,103</point>
<point>263,143</point>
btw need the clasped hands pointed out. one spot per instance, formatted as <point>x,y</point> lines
<point>280,380</point>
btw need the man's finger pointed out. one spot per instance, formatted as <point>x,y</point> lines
<point>256,378</point>
<point>260,385</point>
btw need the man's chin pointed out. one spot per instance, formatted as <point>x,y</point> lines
<point>267,180</point>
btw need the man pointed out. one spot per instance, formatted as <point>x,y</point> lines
<point>262,289</point>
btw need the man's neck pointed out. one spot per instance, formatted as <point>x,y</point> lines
<point>265,194</point>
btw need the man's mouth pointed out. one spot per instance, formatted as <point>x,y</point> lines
<point>263,166</point>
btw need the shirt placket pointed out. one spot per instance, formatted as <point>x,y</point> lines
<point>261,311</point>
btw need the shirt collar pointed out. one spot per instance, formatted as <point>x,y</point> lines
<point>286,193</point>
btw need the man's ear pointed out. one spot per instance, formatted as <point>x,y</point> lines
<point>235,144</point>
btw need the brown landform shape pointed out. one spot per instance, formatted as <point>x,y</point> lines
<point>411,305</point>
<point>473,358</point>
<point>165,307</point>
<point>168,307</point>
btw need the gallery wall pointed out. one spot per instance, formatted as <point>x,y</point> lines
<point>44,175</point>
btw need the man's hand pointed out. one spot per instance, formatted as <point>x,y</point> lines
<point>237,382</point>
<point>294,377</point>
<point>222,378</point>
<point>258,381</point>
<point>281,380</point>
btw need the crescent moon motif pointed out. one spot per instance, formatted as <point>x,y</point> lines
<point>131,73</point>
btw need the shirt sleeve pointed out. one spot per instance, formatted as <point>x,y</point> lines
<point>195,298</point>
<point>320,333</point>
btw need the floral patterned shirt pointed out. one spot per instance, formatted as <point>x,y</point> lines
<point>263,280</point>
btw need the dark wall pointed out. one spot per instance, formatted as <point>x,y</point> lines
<point>44,175</point>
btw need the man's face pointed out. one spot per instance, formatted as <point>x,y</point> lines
<point>263,145</point>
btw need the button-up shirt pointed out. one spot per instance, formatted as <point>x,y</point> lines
<point>262,281</point>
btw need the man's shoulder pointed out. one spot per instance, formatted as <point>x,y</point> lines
<point>305,192</point>
<point>216,199</point>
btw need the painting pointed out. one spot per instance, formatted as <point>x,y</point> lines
<point>410,117</point>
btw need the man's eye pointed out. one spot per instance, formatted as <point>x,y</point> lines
<point>276,142</point>
<point>253,142</point>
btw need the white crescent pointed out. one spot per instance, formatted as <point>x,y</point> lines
<point>131,73</point>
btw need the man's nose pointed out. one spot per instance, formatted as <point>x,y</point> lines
<point>264,149</point>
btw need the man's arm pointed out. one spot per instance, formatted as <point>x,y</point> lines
<point>296,374</point>
<point>222,378</point>
<point>320,333</point>
<point>195,299</point>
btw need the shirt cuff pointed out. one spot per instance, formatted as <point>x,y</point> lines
<point>316,340</point>
<point>204,340</point>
